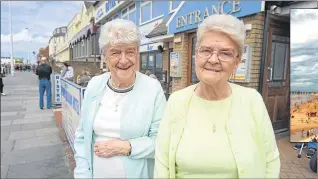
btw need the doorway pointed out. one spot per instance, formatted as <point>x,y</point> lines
<point>276,77</point>
<point>152,62</point>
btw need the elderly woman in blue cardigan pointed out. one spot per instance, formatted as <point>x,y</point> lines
<point>121,111</point>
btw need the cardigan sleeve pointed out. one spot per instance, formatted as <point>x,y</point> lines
<point>144,147</point>
<point>269,142</point>
<point>161,169</point>
<point>82,169</point>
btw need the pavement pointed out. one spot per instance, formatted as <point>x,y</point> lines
<point>31,146</point>
<point>291,165</point>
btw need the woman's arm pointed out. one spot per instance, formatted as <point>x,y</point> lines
<point>162,146</point>
<point>82,169</point>
<point>144,147</point>
<point>269,142</point>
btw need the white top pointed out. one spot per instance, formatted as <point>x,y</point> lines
<point>106,127</point>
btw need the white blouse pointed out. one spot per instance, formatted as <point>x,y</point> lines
<point>106,127</point>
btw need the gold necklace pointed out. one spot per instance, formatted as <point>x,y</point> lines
<point>229,107</point>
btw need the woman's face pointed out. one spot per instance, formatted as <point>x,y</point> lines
<point>216,58</point>
<point>122,60</point>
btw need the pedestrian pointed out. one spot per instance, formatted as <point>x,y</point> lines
<point>217,129</point>
<point>126,107</point>
<point>1,87</point>
<point>67,72</point>
<point>44,72</point>
<point>148,73</point>
<point>83,78</point>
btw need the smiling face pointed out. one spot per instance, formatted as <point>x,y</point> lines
<point>216,58</point>
<point>122,60</point>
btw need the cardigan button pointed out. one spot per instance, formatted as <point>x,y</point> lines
<point>241,171</point>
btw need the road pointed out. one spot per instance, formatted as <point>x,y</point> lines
<point>30,142</point>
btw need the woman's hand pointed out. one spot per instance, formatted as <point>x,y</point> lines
<point>112,148</point>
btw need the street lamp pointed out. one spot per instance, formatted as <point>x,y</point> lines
<point>29,40</point>
<point>11,40</point>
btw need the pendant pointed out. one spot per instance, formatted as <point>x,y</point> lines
<point>214,128</point>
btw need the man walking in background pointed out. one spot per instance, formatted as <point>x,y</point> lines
<point>44,72</point>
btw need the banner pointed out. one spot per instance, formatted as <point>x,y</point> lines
<point>71,99</point>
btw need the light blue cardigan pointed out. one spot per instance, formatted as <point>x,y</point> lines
<point>139,124</point>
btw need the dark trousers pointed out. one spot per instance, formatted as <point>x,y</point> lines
<point>1,88</point>
<point>45,86</point>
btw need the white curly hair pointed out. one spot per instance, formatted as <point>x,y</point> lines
<point>228,24</point>
<point>119,31</point>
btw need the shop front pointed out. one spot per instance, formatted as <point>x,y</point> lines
<point>265,62</point>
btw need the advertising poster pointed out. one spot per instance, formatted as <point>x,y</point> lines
<point>243,71</point>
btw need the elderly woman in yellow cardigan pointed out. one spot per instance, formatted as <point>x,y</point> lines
<point>217,129</point>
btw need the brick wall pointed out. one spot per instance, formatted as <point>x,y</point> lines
<point>254,38</point>
<point>165,58</point>
<point>182,48</point>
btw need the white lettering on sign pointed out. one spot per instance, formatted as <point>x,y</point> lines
<point>197,17</point>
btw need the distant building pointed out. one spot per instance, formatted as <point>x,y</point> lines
<point>7,60</point>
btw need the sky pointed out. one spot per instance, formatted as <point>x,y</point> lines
<point>304,50</point>
<point>40,17</point>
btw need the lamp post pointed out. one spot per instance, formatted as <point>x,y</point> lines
<point>11,40</point>
<point>29,40</point>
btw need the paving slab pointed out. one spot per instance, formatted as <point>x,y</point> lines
<point>22,134</point>
<point>33,154</point>
<point>30,120</point>
<point>6,123</point>
<point>11,128</point>
<point>48,140</point>
<point>4,118</point>
<point>12,109</point>
<point>53,168</point>
<point>4,135</point>
<point>9,113</point>
<point>38,125</point>
<point>4,171</point>
<point>46,131</point>
<point>6,146</point>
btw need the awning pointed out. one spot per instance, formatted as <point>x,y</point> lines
<point>161,29</point>
<point>83,33</point>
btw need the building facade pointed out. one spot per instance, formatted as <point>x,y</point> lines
<point>83,35</point>
<point>57,45</point>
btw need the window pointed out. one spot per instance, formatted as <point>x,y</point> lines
<point>129,13</point>
<point>145,11</point>
<point>280,50</point>
<point>174,5</point>
<point>152,62</point>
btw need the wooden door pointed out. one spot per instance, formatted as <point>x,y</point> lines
<point>276,77</point>
<point>192,77</point>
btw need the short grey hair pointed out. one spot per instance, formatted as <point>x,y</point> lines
<point>228,24</point>
<point>119,31</point>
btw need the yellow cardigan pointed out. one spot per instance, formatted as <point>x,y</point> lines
<point>249,130</point>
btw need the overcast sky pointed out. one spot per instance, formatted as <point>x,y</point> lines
<point>40,17</point>
<point>304,49</point>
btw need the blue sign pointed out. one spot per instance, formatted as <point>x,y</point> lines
<point>110,5</point>
<point>193,13</point>
<point>99,13</point>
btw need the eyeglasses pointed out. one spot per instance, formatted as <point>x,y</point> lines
<point>117,54</point>
<point>207,53</point>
